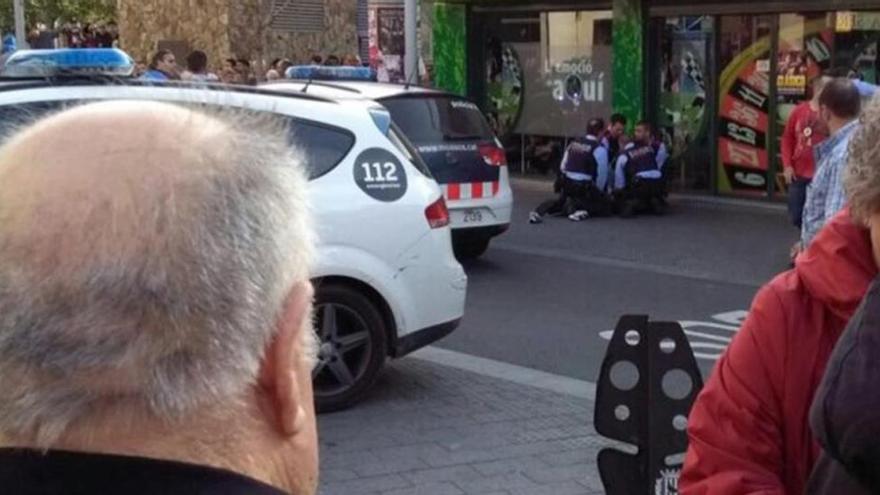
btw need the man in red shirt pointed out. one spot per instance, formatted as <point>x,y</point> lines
<point>803,131</point>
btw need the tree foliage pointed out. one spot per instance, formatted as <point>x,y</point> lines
<point>50,11</point>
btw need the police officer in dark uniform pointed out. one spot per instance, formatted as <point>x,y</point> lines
<point>584,173</point>
<point>638,179</point>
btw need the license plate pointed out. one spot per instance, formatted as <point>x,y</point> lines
<point>473,216</point>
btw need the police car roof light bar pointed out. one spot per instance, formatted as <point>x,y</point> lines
<point>68,62</point>
<point>324,73</point>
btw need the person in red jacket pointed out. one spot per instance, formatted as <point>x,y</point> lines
<point>749,431</point>
<point>804,130</point>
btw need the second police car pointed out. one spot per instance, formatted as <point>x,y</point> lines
<point>452,136</point>
<point>386,280</point>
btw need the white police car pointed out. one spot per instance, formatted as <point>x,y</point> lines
<point>452,136</point>
<point>386,280</point>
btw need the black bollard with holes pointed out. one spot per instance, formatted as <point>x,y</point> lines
<point>648,383</point>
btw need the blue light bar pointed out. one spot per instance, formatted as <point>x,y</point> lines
<point>67,62</point>
<point>335,73</point>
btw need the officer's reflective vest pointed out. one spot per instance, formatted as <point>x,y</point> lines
<point>641,159</point>
<point>581,159</point>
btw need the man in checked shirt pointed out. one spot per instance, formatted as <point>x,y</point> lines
<point>839,106</point>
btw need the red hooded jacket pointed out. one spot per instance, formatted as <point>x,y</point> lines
<point>749,429</point>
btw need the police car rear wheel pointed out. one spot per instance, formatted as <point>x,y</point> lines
<point>468,249</point>
<point>352,347</point>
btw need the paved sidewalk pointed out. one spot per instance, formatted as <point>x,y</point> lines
<point>435,430</point>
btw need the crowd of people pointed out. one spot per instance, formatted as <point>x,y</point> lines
<point>606,171</point>
<point>73,35</point>
<point>792,406</point>
<point>815,149</point>
<point>163,66</point>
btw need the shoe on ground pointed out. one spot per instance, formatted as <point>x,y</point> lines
<point>579,216</point>
<point>535,218</point>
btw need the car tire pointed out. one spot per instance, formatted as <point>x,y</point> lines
<point>470,249</point>
<point>353,347</point>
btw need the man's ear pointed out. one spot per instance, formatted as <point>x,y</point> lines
<point>278,374</point>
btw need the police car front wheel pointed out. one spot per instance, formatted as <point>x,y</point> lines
<point>352,347</point>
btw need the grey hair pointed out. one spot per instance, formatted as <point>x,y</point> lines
<point>181,325</point>
<point>862,174</point>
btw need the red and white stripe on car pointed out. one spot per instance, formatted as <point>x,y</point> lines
<point>470,190</point>
<point>493,154</point>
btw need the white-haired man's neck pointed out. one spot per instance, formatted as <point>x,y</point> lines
<point>233,437</point>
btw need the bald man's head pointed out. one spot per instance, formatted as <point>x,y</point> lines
<point>146,250</point>
<point>109,180</point>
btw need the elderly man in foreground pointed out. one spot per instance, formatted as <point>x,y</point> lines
<point>154,305</point>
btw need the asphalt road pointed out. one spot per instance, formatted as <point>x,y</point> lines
<point>543,296</point>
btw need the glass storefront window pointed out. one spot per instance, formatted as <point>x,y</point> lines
<point>547,74</point>
<point>810,44</point>
<point>572,35</point>
<point>681,83</point>
<point>807,44</point>
<point>744,104</point>
<point>804,51</point>
<point>721,87</point>
<point>855,44</point>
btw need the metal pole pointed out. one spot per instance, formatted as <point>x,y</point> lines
<point>20,35</point>
<point>771,144</point>
<point>411,30</point>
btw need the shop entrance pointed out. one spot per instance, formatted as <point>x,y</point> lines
<point>544,74</point>
<point>756,69</point>
<point>682,93</point>
<point>767,63</point>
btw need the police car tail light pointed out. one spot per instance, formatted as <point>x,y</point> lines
<point>437,214</point>
<point>493,155</point>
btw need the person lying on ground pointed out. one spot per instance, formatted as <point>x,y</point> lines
<point>584,172</point>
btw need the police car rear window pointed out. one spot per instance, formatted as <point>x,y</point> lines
<point>401,142</point>
<point>437,119</point>
<point>324,146</point>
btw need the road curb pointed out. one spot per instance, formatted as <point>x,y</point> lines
<point>520,375</point>
<point>536,183</point>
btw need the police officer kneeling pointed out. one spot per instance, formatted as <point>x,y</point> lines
<point>638,176</point>
<point>584,175</point>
